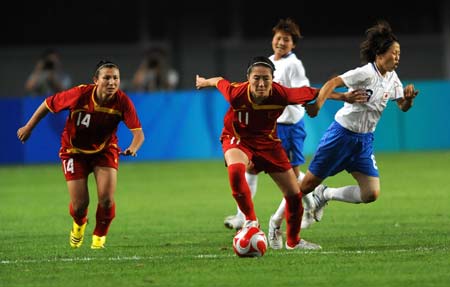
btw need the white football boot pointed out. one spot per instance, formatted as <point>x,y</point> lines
<point>275,236</point>
<point>319,202</point>
<point>305,245</point>
<point>307,219</point>
<point>234,222</point>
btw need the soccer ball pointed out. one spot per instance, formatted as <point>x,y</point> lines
<point>250,242</point>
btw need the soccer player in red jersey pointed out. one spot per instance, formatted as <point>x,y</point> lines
<point>249,139</point>
<point>89,144</point>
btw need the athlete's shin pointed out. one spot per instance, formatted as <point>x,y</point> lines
<point>79,215</point>
<point>104,216</point>
<point>240,190</point>
<point>293,214</point>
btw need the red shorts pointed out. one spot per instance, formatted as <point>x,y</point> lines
<point>267,160</point>
<point>80,165</point>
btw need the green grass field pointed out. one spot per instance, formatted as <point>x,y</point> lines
<point>169,231</point>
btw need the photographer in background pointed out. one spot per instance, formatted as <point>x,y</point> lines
<point>48,76</point>
<point>154,73</point>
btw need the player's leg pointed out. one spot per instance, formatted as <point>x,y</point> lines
<point>237,221</point>
<point>252,180</point>
<point>287,182</point>
<point>237,162</point>
<point>106,179</point>
<point>276,219</point>
<point>78,209</point>
<point>366,191</point>
<point>312,186</point>
<point>76,173</point>
<point>335,153</point>
<point>370,187</point>
<point>294,145</point>
<point>275,236</point>
<point>364,170</point>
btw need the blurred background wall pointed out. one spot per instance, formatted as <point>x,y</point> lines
<point>214,38</point>
<point>217,38</point>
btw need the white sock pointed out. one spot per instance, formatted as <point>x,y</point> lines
<point>252,181</point>
<point>307,198</point>
<point>350,193</point>
<point>278,216</point>
<point>308,201</point>
<point>301,175</point>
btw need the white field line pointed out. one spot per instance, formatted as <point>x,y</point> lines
<point>207,256</point>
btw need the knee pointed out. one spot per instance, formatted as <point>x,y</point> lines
<point>370,196</point>
<point>309,182</point>
<point>79,206</point>
<point>307,186</point>
<point>106,203</point>
<point>78,210</point>
<point>291,192</point>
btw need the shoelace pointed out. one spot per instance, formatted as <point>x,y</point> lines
<point>317,200</point>
<point>274,233</point>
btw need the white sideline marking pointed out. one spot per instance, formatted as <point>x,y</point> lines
<point>209,256</point>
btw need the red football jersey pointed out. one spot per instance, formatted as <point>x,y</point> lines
<point>247,120</point>
<point>90,127</point>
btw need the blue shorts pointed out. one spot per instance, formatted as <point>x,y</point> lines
<point>341,149</point>
<point>293,138</point>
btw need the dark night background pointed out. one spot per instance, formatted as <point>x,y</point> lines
<point>75,22</point>
<point>215,37</point>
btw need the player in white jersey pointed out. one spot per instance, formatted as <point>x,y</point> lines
<point>348,142</point>
<point>290,72</point>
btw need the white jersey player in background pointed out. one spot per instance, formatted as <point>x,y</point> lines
<point>289,71</point>
<point>348,142</point>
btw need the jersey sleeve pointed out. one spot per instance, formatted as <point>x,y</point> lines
<point>130,116</point>
<point>357,78</point>
<point>300,95</point>
<point>398,88</point>
<point>63,100</point>
<point>297,75</point>
<point>224,87</point>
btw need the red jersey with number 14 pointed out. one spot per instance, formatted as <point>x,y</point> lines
<point>256,123</point>
<point>91,127</point>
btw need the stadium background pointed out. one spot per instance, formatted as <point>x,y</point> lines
<point>211,39</point>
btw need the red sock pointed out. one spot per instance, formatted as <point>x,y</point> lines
<point>103,217</point>
<point>293,214</point>
<point>79,216</point>
<point>240,190</point>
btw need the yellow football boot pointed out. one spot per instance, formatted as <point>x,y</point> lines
<point>77,235</point>
<point>98,242</point>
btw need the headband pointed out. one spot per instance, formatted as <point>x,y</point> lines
<point>109,64</point>
<point>259,63</point>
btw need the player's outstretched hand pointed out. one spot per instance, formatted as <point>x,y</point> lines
<point>199,82</point>
<point>312,108</point>
<point>23,133</point>
<point>410,92</point>
<point>358,96</point>
<point>128,152</point>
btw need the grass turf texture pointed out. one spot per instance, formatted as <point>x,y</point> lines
<point>169,230</point>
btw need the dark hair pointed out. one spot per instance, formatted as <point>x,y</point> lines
<point>155,57</point>
<point>289,26</point>
<point>379,38</point>
<point>48,64</point>
<point>104,64</point>
<point>260,61</point>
